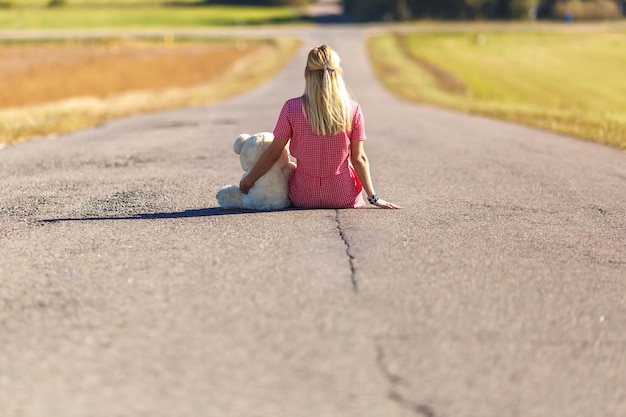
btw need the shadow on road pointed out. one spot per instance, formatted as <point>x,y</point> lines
<point>192,213</point>
<point>204,212</point>
<point>330,19</point>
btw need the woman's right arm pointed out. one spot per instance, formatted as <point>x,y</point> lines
<point>265,162</point>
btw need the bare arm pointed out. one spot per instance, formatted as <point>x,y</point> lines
<point>362,167</point>
<point>264,163</point>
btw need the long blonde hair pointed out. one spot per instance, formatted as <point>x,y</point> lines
<point>327,99</point>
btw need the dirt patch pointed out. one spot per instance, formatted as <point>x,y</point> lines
<point>52,72</point>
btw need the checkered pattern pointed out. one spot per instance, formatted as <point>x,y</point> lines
<point>324,177</point>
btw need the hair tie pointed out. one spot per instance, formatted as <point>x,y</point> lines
<point>328,68</point>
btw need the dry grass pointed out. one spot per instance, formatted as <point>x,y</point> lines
<point>57,88</point>
<point>41,74</point>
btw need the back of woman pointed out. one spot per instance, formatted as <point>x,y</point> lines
<point>321,125</point>
<point>326,129</point>
<point>324,176</point>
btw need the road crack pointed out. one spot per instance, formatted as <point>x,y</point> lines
<point>381,361</point>
<point>396,382</point>
<point>351,258</point>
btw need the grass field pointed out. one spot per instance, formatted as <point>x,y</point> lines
<point>571,83</point>
<point>116,15</point>
<point>102,3</point>
<point>61,87</point>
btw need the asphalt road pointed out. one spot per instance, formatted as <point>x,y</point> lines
<point>499,289</point>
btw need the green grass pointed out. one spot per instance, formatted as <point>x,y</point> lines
<point>571,83</point>
<point>100,3</point>
<point>142,17</point>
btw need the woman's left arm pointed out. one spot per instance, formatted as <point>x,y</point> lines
<point>265,162</point>
<point>362,167</point>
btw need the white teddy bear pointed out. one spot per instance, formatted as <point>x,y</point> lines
<point>270,191</point>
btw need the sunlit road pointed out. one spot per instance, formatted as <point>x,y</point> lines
<point>499,289</point>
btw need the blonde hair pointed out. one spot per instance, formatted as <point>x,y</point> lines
<point>328,102</point>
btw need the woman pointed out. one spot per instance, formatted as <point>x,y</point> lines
<point>326,129</point>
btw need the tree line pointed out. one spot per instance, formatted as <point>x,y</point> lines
<point>378,10</point>
<point>437,9</point>
<point>482,9</point>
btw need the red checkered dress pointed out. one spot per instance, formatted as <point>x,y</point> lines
<point>324,178</point>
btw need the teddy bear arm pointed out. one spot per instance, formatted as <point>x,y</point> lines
<point>269,192</point>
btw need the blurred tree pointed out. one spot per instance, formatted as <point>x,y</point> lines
<point>375,10</point>
<point>402,10</point>
<point>514,9</point>
<point>546,7</point>
<point>262,2</point>
<point>405,9</point>
<point>481,8</point>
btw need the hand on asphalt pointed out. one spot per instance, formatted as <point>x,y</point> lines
<point>386,204</point>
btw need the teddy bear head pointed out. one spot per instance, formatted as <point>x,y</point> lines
<point>251,147</point>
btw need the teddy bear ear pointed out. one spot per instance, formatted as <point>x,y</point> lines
<point>239,142</point>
